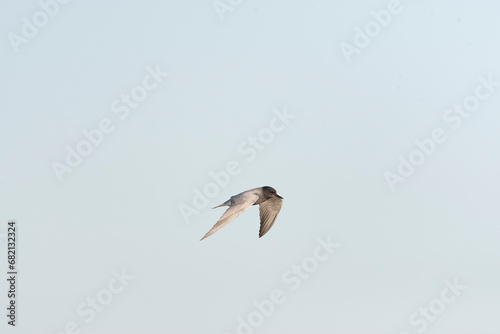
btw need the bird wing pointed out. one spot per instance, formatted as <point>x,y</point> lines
<point>239,204</point>
<point>268,213</point>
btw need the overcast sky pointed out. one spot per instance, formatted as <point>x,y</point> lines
<point>123,123</point>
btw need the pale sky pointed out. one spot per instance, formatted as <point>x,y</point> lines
<point>123,123</point>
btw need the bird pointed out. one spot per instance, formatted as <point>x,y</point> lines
<point>269,207</point>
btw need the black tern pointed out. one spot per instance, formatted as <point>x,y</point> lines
<point>269,206</point>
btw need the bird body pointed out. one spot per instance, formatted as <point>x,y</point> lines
<point>269,206</point>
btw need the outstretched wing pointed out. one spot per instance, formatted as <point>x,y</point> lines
<point>239,204</point>
<point>268,213</point>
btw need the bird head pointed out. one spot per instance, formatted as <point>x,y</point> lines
<point>270,192</point>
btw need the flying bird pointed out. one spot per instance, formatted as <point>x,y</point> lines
<point>269,206</point>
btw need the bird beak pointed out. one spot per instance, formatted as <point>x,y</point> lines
<point>279,196</point>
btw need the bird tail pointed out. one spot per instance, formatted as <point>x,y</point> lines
<point>226,203</point>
